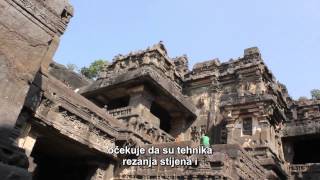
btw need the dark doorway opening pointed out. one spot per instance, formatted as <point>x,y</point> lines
<point>62,159</point>
<point>118,103</point>
<point>306,151</point>
<point>163,115</point>
<point>61,168</point>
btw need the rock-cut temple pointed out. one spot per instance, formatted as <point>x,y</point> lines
<point>57,125</point>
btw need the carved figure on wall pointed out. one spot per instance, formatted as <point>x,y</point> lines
<point>240,89</point>
<point>146,58</point>
<point>203,130</point>
<point>195,134</point>
<point>133,122</point>
<point>200,102</point>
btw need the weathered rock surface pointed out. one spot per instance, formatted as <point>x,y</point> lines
<point>29,36</point>
<point>142,99</point>
<point>68,77</point>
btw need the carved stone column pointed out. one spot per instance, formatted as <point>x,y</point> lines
<point>99,174</point>
<point>265,132</point>
<point>104,172</point>
<point>141,99</point>
<point>230,128</point>
<point>178,126</point>
<point>27,143</point>
<point>139,96</point>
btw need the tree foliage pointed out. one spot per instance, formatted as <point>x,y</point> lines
<point>72,67</point>
<point>315,94</point>
<point>93,70</point>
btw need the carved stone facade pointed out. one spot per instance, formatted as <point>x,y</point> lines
<point>55,124</point>
<point>29,36</point>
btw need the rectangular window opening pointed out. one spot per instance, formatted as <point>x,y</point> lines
<point>247,126</point>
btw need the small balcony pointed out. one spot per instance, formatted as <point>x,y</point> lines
<point>140,123</point>
<point>303,171</point>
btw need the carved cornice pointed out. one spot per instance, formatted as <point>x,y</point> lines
<point>73,125</point>
<point>38,12</point>
<point>300,128</point>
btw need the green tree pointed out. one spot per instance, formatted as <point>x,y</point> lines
<point>72,67</point>
<point>315,94</point>
<point>93,70</point>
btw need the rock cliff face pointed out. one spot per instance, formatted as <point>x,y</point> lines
<point>29,36</point>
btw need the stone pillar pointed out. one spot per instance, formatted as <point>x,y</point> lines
<point>288,151</point>
<point>230,128</point>
<point>178,126</point>
<point>265,132</point>
<point>27,143</point>
<point>104,172</point>
<point>141,99</point>
<point>25,139</point>
<point>98,174</point>
<point>109,172</point>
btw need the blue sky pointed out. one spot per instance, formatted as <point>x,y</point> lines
<point>287,33</point>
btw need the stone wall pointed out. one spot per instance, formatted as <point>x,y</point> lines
<point>240,102</point>
<point>29,36</point>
